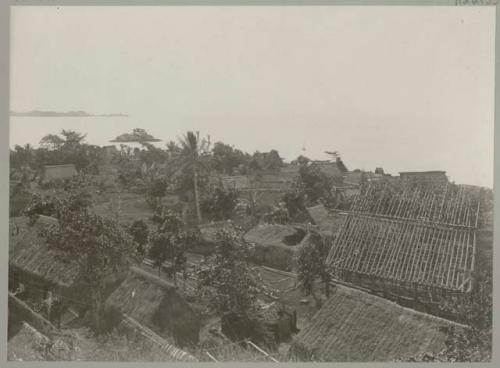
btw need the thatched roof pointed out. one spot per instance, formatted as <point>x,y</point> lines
<point>28,343</point>
<point>51,172</point>
<point>330,168</point>
<point>30,253</point>
<point>155,303</point>
<point>356,326</point>
<point>327,222</point>
<point>275,235</point>
<point>208,230</point>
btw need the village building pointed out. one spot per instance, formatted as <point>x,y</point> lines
<point>428,177</point>
<point>355,326</point>
<point>277,245</point>
<point>154,303</point>
<point>46,276</point>
<point>410,248</point>
<point>57,172</point>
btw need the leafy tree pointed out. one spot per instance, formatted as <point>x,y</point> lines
<point>311,266</point>
<point>137,135</point>
<point>315,184</point>
<point>277,215</point>
<point>169,241</point>
<point>301,160</point>
<point>140,232</point>
<point>219,203</point>
<point>227,274</point>
<point>51,142</point>
<point>227,160</point>
<point>98,244</point>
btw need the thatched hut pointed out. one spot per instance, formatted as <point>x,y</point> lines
<point>154,303</point>
<point>39,270</point>
<point>58,172</point>
<point>356,326</point>
<point>42,273</point>
<point>276,245</point>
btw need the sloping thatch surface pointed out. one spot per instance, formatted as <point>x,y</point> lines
<point>327,222</point>
<point>209,230</point>
<point>155,303</point>
<point>270,235</point>
<point>29,345</point>
<point>30,253</point>
<point>51,172</point>
<point>276,245</point>
<point>330,169</point>
<point>356,326</point>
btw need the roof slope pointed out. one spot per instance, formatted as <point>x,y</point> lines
<point>357,326</point>
<point>273,235</point>
<point>28,343</point>
<point>29,252</point>
<point>326,221</point>
<point>154,303</point>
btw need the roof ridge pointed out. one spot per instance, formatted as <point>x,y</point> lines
<point>153,278</point>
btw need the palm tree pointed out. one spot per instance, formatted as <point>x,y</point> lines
<point>194,152</point>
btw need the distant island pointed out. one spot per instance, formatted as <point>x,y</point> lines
<point>138,135</point>
<point>41,113</point>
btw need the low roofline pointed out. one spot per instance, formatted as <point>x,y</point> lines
<point>153,278</point>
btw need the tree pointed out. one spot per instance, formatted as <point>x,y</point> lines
<point>311,266</point>
<point>140,232</point>
<point>227,274</point>
<point>219,203</point>
<point>98,244</point>
<point>193,157</point>
<point>277,215</point>
<point>227,159</point>
<point>51,142</point>
<point>169,241</point>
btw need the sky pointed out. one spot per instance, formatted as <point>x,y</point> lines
<point>403,88</point>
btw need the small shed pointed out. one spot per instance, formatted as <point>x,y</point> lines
<point>58,172</point>
<point>355,326</point>
<point>154,303</point>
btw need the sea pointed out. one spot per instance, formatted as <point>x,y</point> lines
<point>99,130</point>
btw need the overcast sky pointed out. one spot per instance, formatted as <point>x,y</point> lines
<point>404,88</point>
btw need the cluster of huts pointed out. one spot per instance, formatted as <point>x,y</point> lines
<point>359,321</point>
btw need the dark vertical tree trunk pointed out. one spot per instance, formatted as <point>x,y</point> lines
<point>196,196</point>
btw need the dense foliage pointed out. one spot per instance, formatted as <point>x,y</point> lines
<point>227,274</point>
<point>169,241</point>
<point>311,266</point>
<point>218,203</point>
<point>99,245</point>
